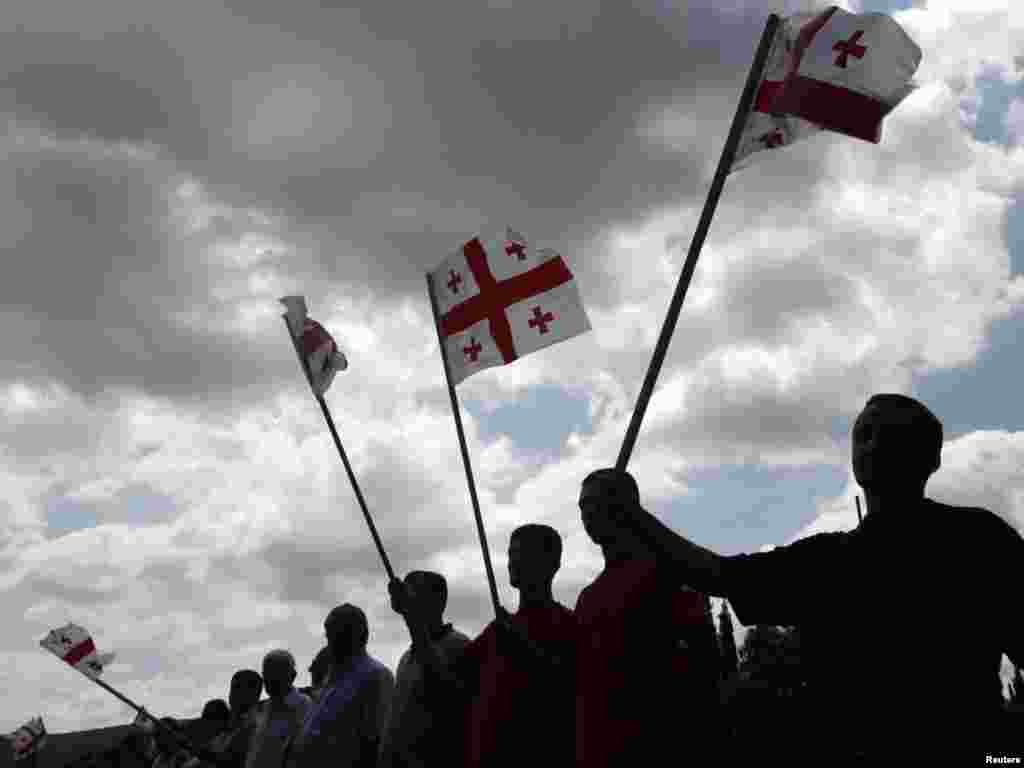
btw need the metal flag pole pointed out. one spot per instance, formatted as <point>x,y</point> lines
<point>724,166</point>
<point>465,454</point>
<point>341,452</point>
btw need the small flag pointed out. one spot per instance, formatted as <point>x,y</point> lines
<point>499,299</point>
<point>74,646</point>
<point>836,71</point>
<point>323,359</point>
<point>28,739</point>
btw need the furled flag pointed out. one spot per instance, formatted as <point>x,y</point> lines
<point>834,70</point>
<point>499,299</point>
<point>28,739</point>
<point>74,645</point>
<point>323,359</point>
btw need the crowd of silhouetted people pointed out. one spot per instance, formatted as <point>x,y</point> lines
<point>628,676</point>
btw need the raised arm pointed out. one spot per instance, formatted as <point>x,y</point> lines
<point>694,565</point>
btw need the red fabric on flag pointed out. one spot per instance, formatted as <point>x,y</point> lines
<point>79,652</point>
<point>313,336</point>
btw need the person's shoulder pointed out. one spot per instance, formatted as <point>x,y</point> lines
<point>970,517</point>
<point>380,671</point>
<point>454,641</point>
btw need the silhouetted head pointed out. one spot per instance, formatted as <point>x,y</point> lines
<point>216,710</point>
<point>278,673</point>
<point>431,593</point>
<point>605,491</point>
<point>347,632</point>
<point>897,445</point>
<point>534,556</point>
<point>320,669</point>
<point>246,687</point>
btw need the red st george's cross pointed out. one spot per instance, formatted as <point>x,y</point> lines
<point>495,297</point>
<point>849,48</point>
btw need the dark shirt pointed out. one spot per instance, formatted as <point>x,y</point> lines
<point>904,622</point>
<point>642,673</point>
<point>520,712</point>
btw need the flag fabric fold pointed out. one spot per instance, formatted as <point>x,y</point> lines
<point>319,354</point>
<point>28,739</point>
<point>500,298</point>
<point>836,71</point>
<point>73,645</point>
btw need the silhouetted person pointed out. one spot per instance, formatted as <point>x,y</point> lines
<point>279,718</point>
<point>169,751</point>
<point>232,744</point>
<point>646,668</point>
<point>319,671</point>
<point>517,676</point>
<point>344,727</point>
<point>217,710</point>
<point>931,692</point>
<point>424,720</point>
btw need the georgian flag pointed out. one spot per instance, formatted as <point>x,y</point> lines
<point>74,646</point>
<point>836,71</point>
<point>500,298</point>
<point>318,353</point>
<point>28,739</point>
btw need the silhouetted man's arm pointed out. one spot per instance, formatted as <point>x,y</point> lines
<point>695,566</point>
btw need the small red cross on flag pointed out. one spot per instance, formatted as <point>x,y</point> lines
<point>513,306</point>
<point>836,71</point>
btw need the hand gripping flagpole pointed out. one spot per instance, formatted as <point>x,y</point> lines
<point>724,165</point>
<point>341,452</point>
<point>465,455</point>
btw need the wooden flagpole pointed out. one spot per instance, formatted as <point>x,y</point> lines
<point>724,165</point>
<point>341,452</point>
<point>465,454</point>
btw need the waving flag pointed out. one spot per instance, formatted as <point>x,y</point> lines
<point>28,739</point>
<point>314,344</point>
<point>836,71</point>
<point>73,645</point>
<point>500,299</point>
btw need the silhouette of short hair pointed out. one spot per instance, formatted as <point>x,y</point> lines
<point>435,583</point>
<point>346,613</point>
<point>321,663</point>
<point>619,484</point>
<point>247,678</point>
<point>216,709</point>
<point>927,423</point>
<point>544,536</point>
<point>279,656</point>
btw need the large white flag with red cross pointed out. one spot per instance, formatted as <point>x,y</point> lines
<point>74,646</point>
<point>500,298</point>
<point>836,71</point>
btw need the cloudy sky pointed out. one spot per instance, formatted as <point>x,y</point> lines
<point>171,169</point>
